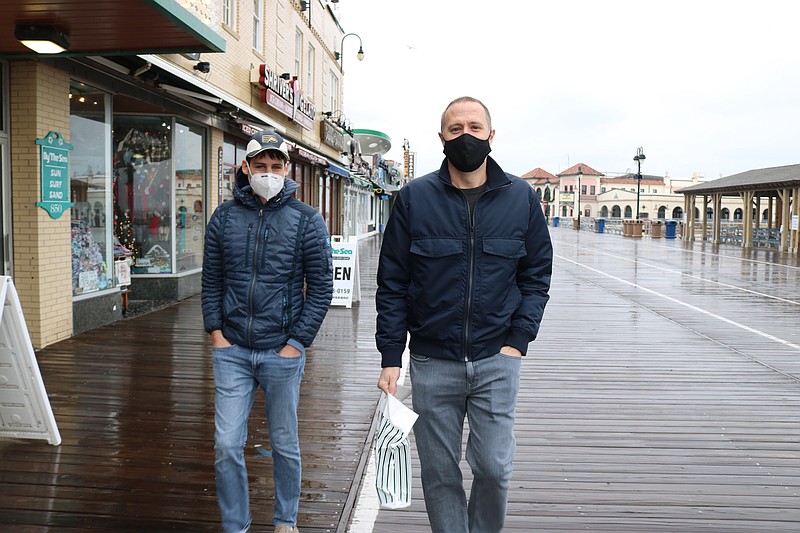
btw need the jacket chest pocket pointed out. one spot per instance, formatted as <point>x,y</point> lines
<point>436,264</point>
<point>504,247</point>
<point>500,259</point>
<point>436,248</point>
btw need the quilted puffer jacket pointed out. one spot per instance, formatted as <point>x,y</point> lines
<point>267,269</point>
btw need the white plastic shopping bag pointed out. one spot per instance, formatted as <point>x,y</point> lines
<point>393,454</point>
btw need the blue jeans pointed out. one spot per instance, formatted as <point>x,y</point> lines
<point>443,394</point>
<point>238,372</point>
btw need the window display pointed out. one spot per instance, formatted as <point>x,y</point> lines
<point>190,174</point>
<point>143,191</point>
<point>90,237</point>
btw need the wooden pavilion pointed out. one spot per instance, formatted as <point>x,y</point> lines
<point>770,207</point>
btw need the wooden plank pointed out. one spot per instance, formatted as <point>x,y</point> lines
<point>636,412</point>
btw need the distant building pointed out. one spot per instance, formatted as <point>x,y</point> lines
<point>615,197</point>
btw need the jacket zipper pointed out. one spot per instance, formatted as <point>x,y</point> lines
<point>467,345</point>
<point>253,278</point>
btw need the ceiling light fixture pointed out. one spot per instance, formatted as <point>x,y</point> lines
<point>42,38</point>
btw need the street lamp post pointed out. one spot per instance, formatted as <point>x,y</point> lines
<point>340,54</point>
<point>639,157</point>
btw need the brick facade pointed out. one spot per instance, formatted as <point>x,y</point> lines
<point>42,266</point>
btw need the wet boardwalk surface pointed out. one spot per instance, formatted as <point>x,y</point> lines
<point>662,395</point>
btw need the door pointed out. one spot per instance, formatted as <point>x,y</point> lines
<point>5,177</point>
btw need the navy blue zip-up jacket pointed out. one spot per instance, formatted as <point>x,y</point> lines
<point>256,261</point>
<point>463,288</point>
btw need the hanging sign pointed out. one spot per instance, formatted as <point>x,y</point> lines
<point>276,91</point>
<point>54,162</point>
<point>346,283</point>
<point>304,111</point>
<point>284,94</point>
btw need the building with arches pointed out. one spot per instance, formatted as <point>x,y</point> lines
<point>608,197</point>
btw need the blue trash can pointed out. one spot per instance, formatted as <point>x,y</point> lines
<point>555,222</point>
<point>671,225</point>
<point>601,225</point>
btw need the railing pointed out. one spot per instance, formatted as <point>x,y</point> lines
<point>730,231</point>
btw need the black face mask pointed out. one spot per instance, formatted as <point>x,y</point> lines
<point>466,152</point>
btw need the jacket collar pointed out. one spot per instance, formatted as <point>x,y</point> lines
<point>495,176</point>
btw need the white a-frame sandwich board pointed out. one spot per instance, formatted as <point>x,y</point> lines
<point>346,278</point>
<point>25,410</point>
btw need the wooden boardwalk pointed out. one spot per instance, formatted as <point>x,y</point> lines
<point>662,395</point>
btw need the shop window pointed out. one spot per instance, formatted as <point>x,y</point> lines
<point>189,198</point>
<point>143,191</point>
<point>5,266</point>
<point>2,96</point>
<point>233,152</point>
<point>91,235</point>
<point>327,213</point>
<point>301,174</point>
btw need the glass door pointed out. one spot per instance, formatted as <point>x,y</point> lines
<point>5,178</point>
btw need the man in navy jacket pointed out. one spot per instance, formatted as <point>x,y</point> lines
<point>465,268</point>
<point>267,285</point>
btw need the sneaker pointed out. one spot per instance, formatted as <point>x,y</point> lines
<point>287,529</point>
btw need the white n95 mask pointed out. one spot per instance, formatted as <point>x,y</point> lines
<point>267,185</point>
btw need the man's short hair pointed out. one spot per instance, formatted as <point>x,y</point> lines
<point>464,99</point>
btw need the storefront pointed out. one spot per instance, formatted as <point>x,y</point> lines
<point>149,144</point>
<point>359,208</point>
<point>139,168</point>
<point>138,175</point>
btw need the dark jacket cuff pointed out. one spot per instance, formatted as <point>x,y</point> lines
<point>518,339</point>
<point>392,358</point>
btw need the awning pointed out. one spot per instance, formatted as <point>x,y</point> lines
<point>113,28</point>
<point>335,168</point>
<point>212,90</point>
<point>385,187</point>
<point>360,182</point>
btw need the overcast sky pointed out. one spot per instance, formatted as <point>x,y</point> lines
<point>702,86</point>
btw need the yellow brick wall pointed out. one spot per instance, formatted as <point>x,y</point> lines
<point>42,262</point>
<point>230,70</point>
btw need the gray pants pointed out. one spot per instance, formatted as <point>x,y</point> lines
<point>443,393</point>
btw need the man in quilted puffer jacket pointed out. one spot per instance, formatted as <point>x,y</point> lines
<point>267,285</point>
